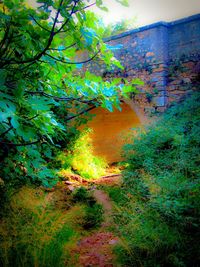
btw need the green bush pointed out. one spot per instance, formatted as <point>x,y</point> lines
<point>160,218</point>
<point>93,217</point>
<point>81,194</point>
<point>117,194</point>
<point>80,157</point>
<point>93,211</point>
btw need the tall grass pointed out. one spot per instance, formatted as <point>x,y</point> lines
<point>35,230</point>
<point>40,229</point>
<point>158,211</point>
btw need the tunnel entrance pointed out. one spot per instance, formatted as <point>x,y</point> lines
<point>110,131</point>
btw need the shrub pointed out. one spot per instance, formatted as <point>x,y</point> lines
<point>93,211</point>
<point>80,195</point>
<point>93,217</point>
<point>160,217</point>
<point>81,159</point>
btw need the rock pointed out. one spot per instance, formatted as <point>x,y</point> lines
<point>150,54</point>
<point>113,242</point>
<point>71,188</point>
<point>69,182</point>
<point>67,177</point>
<point>92,187</point>
<point>186,80</point>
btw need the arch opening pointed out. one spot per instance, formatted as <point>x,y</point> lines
<point>110,131</point>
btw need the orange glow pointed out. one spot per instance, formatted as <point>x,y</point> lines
<point>110,130</point>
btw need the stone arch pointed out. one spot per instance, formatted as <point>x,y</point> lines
<point>111,130</point>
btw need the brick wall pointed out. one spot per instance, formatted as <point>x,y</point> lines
<point>166,56</point>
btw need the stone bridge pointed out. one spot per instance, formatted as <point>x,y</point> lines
<point>166,56</point>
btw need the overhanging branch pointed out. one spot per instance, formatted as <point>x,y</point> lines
<point>60,98</point>
<point>71,62</point>
<point>81,113</point>
<point>39,24</point>
<point>21,144</point>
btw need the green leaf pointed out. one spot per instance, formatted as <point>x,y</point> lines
<point>127,89</point>
<point>14,122</point>
<point>137,81</point>
<point>108,91</point>
<point>2,77</point>
<point>89,35</point>
<point>100,5</point>
<point>39,104</point>
<point>107,104</point>
<point>117,63</point>
<point>123,2</point>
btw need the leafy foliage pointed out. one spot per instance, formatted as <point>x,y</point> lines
<point>119,27</point>
<point>38,76</point>
<point>159,211</point>
<point>80,158</point>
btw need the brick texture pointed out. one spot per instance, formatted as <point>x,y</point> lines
<point>166,56</point>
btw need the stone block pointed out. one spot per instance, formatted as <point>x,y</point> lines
<point>159,101</point>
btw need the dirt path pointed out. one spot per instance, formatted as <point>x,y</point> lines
<point>97,250</point>
<point>103,199</point>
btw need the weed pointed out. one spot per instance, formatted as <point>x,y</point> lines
<point>80,195</point>
<point>93,211</point>
<point>93,217</point>
<point>158,204</point>
<point>35,232</point>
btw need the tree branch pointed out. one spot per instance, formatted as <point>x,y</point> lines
<point>21,144</point>
<point>52,34</point>
<point>39,55</point>
<point>60,98</point>
<point>82,112</point>
<point>62,49</point>
<point>88,6</point>
<point>30,119</point>
<point>39,24</point>
<point>75,63</point>
<point>9,129</point>
<point>67,20</point>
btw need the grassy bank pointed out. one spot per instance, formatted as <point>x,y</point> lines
<point>41,228</point>
<point>157,207</point>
